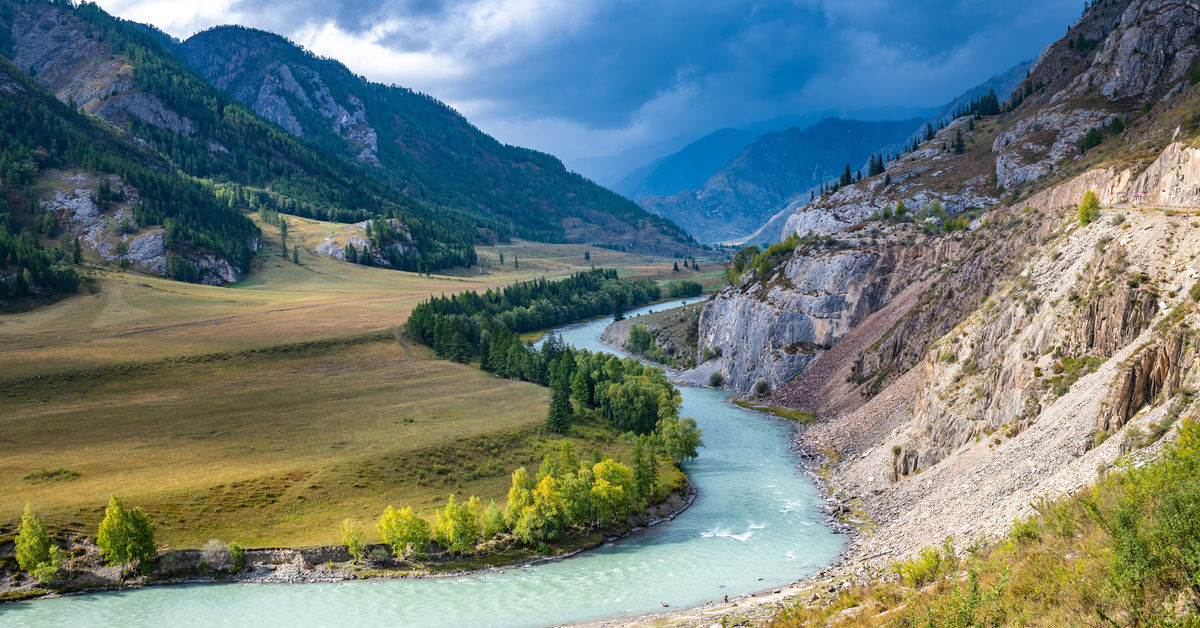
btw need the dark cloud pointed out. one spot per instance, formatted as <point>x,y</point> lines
<point>624,71</point>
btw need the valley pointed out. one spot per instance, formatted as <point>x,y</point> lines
<point>314,329</point>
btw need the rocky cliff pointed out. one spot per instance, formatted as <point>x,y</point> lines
<point>1003,349</point>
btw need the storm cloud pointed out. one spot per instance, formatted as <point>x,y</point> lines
<point>589,77</point>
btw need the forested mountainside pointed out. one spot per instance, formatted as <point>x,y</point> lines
<point>449,189</point>
<point>174,223</point>
<point>775,170</point>
<point>998,307</point>
<point>419,145</point>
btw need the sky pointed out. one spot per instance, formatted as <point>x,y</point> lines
<point>586,78</point>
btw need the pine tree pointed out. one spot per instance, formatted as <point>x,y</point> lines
<point>960,146</point>
<point>676,266</point>
<point>295,254</point>
<point>558,415</point>
<point>846,177</point>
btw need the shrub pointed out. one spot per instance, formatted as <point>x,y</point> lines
<point>1195,292</point>
<point>1027,529</point>
<point>216,555</point>
<point>716,380</point>
<point>238,556</point>
<point>928,565</point>
<point>761,387</point>
<point>404,531</point>
<point>352,538</point>
<point>1089,208</point>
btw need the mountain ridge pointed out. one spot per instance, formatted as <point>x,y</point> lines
<point>774,170</point>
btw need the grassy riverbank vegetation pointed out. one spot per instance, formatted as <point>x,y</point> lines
<point>1125,552</point>
<point>267,412</point>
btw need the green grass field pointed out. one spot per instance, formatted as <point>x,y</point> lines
<point>227,412</point>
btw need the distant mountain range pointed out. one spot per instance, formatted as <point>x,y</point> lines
<point>774,170</point>
<point>714,179</point>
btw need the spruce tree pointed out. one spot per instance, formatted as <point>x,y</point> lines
<point>558,415</point>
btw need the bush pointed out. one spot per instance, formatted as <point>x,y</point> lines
<point>352,538</point>
<point>238,556</point>
<point>1026,530</point>
<point>216,555</point>
<point>404,531</point>
<point>1089,208</point>
<point>1195,292</point>
<point>928,565</point>
<point>716,380</point>
<point>761,387</point>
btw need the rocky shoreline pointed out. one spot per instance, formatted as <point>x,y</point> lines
<point>330,563</point>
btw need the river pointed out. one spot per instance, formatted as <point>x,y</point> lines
<point>755,524</point>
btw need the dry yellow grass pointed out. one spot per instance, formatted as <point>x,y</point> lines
<point>281,302</point>
<point>272,447</point>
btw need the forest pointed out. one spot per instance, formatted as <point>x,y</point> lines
<point>460,326</point>
<point>41,133</point>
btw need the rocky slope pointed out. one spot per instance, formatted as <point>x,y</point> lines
<point>992,349</point>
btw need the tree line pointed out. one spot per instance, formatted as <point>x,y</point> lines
<point>566,495</point>
<point>461,325</point>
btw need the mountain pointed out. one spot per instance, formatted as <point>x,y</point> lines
<point>122,74</point>
<point>1002,84</point>
<point>774,170</point>
<point>608,170</point>
<point>444,185</point>
<point>686,169</point>
<point>968,328</point>
<point>44,137</point>
<point>689,167</point>
<point>418,145</point>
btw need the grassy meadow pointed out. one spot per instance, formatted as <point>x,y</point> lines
<point>267,411</point>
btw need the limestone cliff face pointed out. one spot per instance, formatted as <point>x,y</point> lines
<point>773,330</point>
<point>254,68</point>
<point>58,51</point>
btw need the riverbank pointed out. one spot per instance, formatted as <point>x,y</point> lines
<point>842,515</point>
<point>86,572</point>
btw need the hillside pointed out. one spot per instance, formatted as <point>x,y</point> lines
<point>773,171</point>
<point>688,168</point>
<point>986,346</point>
<point>419,145</point>
<point>74,181</point>
<point>475,191</point>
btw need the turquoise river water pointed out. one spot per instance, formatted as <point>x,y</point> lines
<point>755,524</point>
